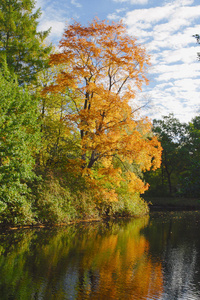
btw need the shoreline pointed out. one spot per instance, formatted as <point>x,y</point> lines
<point>166,205</point>
<point>35,226</point>
<point>172,203</point>
<point>174,208</point>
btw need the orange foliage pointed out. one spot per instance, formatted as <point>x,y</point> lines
<point>102,69</point>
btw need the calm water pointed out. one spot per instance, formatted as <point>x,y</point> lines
<point>156,257</point>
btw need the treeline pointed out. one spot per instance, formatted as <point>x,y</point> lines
<point>179,175</point>
<point>71,144</point>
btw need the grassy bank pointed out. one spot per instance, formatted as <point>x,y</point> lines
<point>173,203</point>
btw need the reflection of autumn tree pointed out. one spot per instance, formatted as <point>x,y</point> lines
<point>103,261</point>
<point>130,273</point>
<point>85,262</point>
<point>121,266</point>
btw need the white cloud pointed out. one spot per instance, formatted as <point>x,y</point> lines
<point>113,16</point>
<point>167,33</point>
<point>57,28</point>
<point>147,16</point>
<point>162,27</point>
<point>74,2</point>
<point>176,71</point>
<point>185,55</point>
<point>120,10</point>
<point>136,2</point>
<point>54,18</point>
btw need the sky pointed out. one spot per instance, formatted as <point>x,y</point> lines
<point>165,28</point>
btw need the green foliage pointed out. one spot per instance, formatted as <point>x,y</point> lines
<point>54,203</point>
<point>171,134</point>
<point>60,200</point>
<point>129,206</point>
<point>179,174</point>
<point>19,140</point>
<point>191,179</point>
<point>37,141</point>
<point>20,43</point>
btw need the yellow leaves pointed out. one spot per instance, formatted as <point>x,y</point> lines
<point>109,195</point>
<point>86,172</point>
<point>136,185</point>
<point>106,162</point>
<point>101,51</point>
<point>150,156</point>
<point>109,171</point>
<point>104,70</point>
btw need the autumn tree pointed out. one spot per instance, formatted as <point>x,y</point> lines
<point>102,70</point>
<point>21,45</point>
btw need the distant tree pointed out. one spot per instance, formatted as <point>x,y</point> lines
<point>194,138</point>
<point>21,45</point>
<point>19,140</point>
<point>191,180</point>
<point>172,134</point>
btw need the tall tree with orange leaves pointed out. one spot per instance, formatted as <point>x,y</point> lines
<point>102,70</point>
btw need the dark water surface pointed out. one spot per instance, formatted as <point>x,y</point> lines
<point>156,257</point>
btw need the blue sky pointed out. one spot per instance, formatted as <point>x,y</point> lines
<point>164,28</point>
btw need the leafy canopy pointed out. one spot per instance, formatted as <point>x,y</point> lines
<point>102,68</point>
<point>20,43</point>
<point>19,140</point>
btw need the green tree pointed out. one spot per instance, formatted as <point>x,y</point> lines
<point>194,138</point>
<point>20,43</point>
<point>191,180</point>
<point>172,135</point>
<point>19,141</point>
<point>59,141</point>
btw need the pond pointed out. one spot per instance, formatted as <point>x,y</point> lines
<point>155,257</point>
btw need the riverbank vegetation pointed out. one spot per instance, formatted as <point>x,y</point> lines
<point>72,144</point>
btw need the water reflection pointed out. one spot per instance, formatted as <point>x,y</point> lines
<point>178,247</point>
<point>156,258</point>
